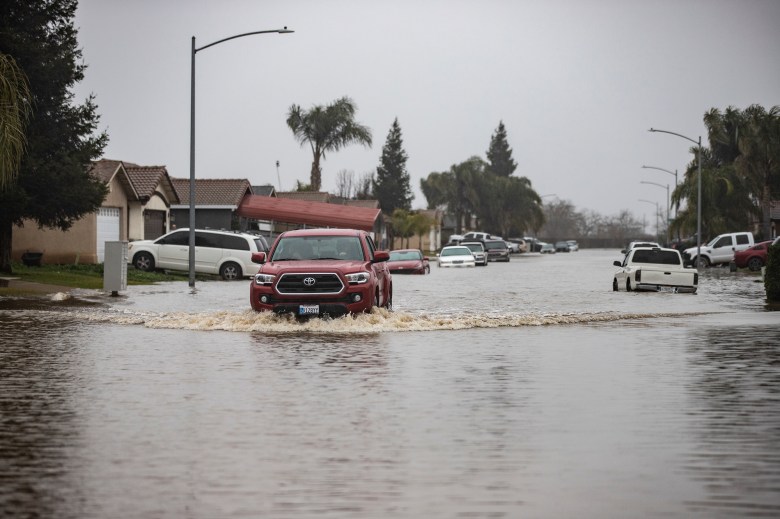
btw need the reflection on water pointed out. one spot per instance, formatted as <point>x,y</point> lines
<point>520,390</point>
<point>737,395</point>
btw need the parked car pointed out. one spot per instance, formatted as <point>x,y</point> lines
<point>534,245</point>
<point>312,272</point>
<point>547,248</point>
<point>497,250</point>
<point>478,250</point>
<point>408,261</point>
<point>654,269</point>
<point>522,245</point>
<point>633,244</point>
<point>514,248</point>
<point>226,253</point>
<point>573,245</point>
<point>456,256</point>
<point>477,236</point>
<point>561,246</point>
<point>720,250</point>
<point>753,258</point>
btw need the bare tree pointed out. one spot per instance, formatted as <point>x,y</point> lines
<point>345,183</point>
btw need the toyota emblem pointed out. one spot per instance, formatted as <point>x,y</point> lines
<point>309,282</point>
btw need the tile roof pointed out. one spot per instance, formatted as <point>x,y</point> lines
<point>148,179</point>
<point>106,170</point>
<point>309,196</point>
<point>213,191</point>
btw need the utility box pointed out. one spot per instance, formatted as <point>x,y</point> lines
<point>115,267</point>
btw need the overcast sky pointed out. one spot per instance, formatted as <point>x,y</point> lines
<point>577,84</point>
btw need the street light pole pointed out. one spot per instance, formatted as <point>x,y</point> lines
<point>668,236</point>
<point>193,51</point>
<point>698,195</point>
<point>657,210</point>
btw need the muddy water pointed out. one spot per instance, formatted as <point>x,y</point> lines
<point>526,389</point>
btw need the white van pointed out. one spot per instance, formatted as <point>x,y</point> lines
<point>226,253</point>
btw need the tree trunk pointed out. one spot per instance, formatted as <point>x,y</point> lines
<point>315,181</point>
<point>766,210</point>
<point>6,234</point>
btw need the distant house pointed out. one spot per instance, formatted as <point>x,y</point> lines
<point>136,207</point>
<point>216,203</point>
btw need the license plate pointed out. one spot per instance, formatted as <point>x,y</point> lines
<point>457,262</point>
<point>309,310</point>
<point>667,289</point>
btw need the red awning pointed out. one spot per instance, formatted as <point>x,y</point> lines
<point>317,214</point>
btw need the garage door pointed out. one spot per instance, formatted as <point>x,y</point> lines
<point>107,229</point>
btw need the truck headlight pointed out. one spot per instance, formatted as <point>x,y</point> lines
<point>358,278</point>
<point>264,279</point>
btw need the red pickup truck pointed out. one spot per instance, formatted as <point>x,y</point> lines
<point>314,272</point>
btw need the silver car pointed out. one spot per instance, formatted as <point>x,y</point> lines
<point>478,250</point>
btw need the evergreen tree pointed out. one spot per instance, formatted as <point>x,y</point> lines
<point>499,155</point>
<point>391,186</point>
<point>53,187</point>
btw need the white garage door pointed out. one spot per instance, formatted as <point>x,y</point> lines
<point>107,229</point>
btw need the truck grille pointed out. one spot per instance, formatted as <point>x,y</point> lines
<point>319,283</point>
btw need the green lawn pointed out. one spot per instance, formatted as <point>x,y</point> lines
<point>91,276</point>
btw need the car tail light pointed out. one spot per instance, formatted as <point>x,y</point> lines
<point>696,278</point>
<point>638,276</point>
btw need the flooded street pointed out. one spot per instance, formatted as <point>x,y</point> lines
<point>526,389</point>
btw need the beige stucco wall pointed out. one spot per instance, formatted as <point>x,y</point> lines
<point>136,215</point>
<point>76,245</point>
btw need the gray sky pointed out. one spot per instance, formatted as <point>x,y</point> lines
<point>576,83</point>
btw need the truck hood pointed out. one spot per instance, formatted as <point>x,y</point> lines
<point>343,266</point>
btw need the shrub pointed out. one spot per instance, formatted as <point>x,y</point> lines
<point>772,275</point>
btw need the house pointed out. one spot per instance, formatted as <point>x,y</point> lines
<point>216,203</point>
<point>136,207</point>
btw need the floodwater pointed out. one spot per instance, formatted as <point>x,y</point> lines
<point>526,389</point>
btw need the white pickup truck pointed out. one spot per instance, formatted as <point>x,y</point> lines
<point>720,250</point>
<point>654,269</point>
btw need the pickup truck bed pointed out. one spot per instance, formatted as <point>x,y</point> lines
<point>654,269</point>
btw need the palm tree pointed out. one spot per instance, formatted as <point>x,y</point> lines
<point>325,129</point>
<point>759,159</point>
<point>749,142</point>
<point>14,111</point>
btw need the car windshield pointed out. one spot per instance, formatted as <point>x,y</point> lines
<point>318,248</point>
<point>474,247</point>
<point>495,245</point>
<point>456,251</point>
<point>405,255</point>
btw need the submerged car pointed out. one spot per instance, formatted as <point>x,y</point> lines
<point>408,261</point>
<point>654,269</point>
<point>562,246</point>
<point>226,253</point>
<point>497,250</point>
<point>478,250</point>
<point>456,256</point>
<point>314,272</point>
<point>634,244</point>
<point>547,248</point>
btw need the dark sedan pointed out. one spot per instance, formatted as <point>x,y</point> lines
<point>497,250</point>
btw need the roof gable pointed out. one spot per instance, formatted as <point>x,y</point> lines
<point>148,179</point>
